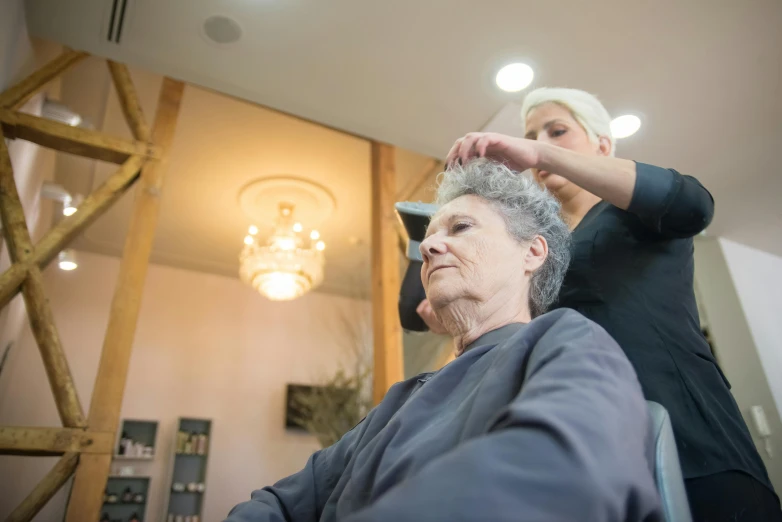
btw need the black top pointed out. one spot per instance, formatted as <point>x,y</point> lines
<point>632,273</point>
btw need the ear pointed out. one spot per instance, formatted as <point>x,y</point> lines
<point>603,146</point>
<point>536,255</point>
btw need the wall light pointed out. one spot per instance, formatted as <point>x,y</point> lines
<point>67,260</point>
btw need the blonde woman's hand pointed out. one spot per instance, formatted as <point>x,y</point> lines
<point>518,154</point>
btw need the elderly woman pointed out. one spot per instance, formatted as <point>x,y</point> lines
<point>632,273</point>
<point>539,418</point>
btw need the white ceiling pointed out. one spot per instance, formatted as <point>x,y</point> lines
<point>705,74</point>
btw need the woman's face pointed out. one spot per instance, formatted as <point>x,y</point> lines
<point>554,124</point>
<point>469,254</point>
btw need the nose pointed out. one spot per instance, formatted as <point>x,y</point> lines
<point>432,246</point>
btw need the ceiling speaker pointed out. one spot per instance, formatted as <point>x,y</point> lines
<point>222,30</point>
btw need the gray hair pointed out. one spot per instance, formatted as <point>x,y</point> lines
<point>528,210</point>
<point>585,108</point>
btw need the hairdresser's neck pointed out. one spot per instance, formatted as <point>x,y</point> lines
<point>575,207</point>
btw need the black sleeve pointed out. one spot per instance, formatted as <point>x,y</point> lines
<point>670,204</point>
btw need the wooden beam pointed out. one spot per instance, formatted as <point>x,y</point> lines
<point>53,441</point>
<point>385,273</point>
<point>73,140</point>
<point>431,168</point>
<point>68,228</point>
<point>16,96</point>
<point>11,281</point>
<point>87,493</point>
<point>128,100</point>
<point>45,489</point>
<point>41,320</point>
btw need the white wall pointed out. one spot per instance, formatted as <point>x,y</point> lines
<point>206,346</point>
<point>736,351</point>
<point>757,276</point>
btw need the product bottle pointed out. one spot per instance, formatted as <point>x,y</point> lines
<point>133,518</point>
<point>127,496</point>
<point>122,442</point>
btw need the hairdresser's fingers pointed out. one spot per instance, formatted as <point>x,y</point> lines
<point>467,148</point>
<point>483,144</point>
<point>453,153</point>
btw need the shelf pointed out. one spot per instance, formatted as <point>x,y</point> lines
<point>190,455</point>
<point>124,503</point>
<point>125,457</point>
<point>190,492</point>
<point>130,477</point>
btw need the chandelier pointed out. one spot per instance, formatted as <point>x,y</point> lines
<point>285,266</point>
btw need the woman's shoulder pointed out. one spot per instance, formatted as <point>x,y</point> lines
<point>567,326</point>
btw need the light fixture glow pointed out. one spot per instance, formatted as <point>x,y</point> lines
<point>514,77</point>
<point>625,126</point>
<point>314,235</point>
<point>248,240</point>
<point>253,230</point>
<point>282,268</point>
<point>70,204</point>
<point>67,260</point>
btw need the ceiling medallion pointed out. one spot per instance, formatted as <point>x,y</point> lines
<point>285,265</point>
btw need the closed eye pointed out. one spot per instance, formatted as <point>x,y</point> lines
<point>460,227</point>
<point>557,133</point>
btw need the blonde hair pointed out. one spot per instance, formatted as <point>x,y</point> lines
<point>585,108</point>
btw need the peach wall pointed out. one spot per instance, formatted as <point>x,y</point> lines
<point>206,346</point>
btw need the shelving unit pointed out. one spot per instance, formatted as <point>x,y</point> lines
<point>188,466</point>
<point>143,432</point>
<point>124,510</point>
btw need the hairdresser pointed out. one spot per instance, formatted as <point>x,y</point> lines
<point>632,273</point>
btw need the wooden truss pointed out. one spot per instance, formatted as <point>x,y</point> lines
<point>85,442</point>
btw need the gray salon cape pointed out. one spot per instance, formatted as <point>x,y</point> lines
<point>542,421</point>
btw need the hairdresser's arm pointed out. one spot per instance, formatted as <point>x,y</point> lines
<point>609,178</point>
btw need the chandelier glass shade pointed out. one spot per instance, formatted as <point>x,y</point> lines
<point>285,266</point>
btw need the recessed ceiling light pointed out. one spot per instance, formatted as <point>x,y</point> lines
<point>625,126</point>
<point>514,77</point>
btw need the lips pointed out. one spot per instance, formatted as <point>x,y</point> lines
<point>435,269</point>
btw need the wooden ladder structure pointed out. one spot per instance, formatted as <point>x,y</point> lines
<point>85,443</point>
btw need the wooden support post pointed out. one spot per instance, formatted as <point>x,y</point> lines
<point>53,441</point>
<point>431,168</point>
<point>87,493</point>
<point>18,94</point>
<point>41,320</point>
<point>10,282</point>
<point>387,331</point>
<point>68,228</point>
<point>45,489</point>
<point>128,100</point>
<point>73,140</point>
